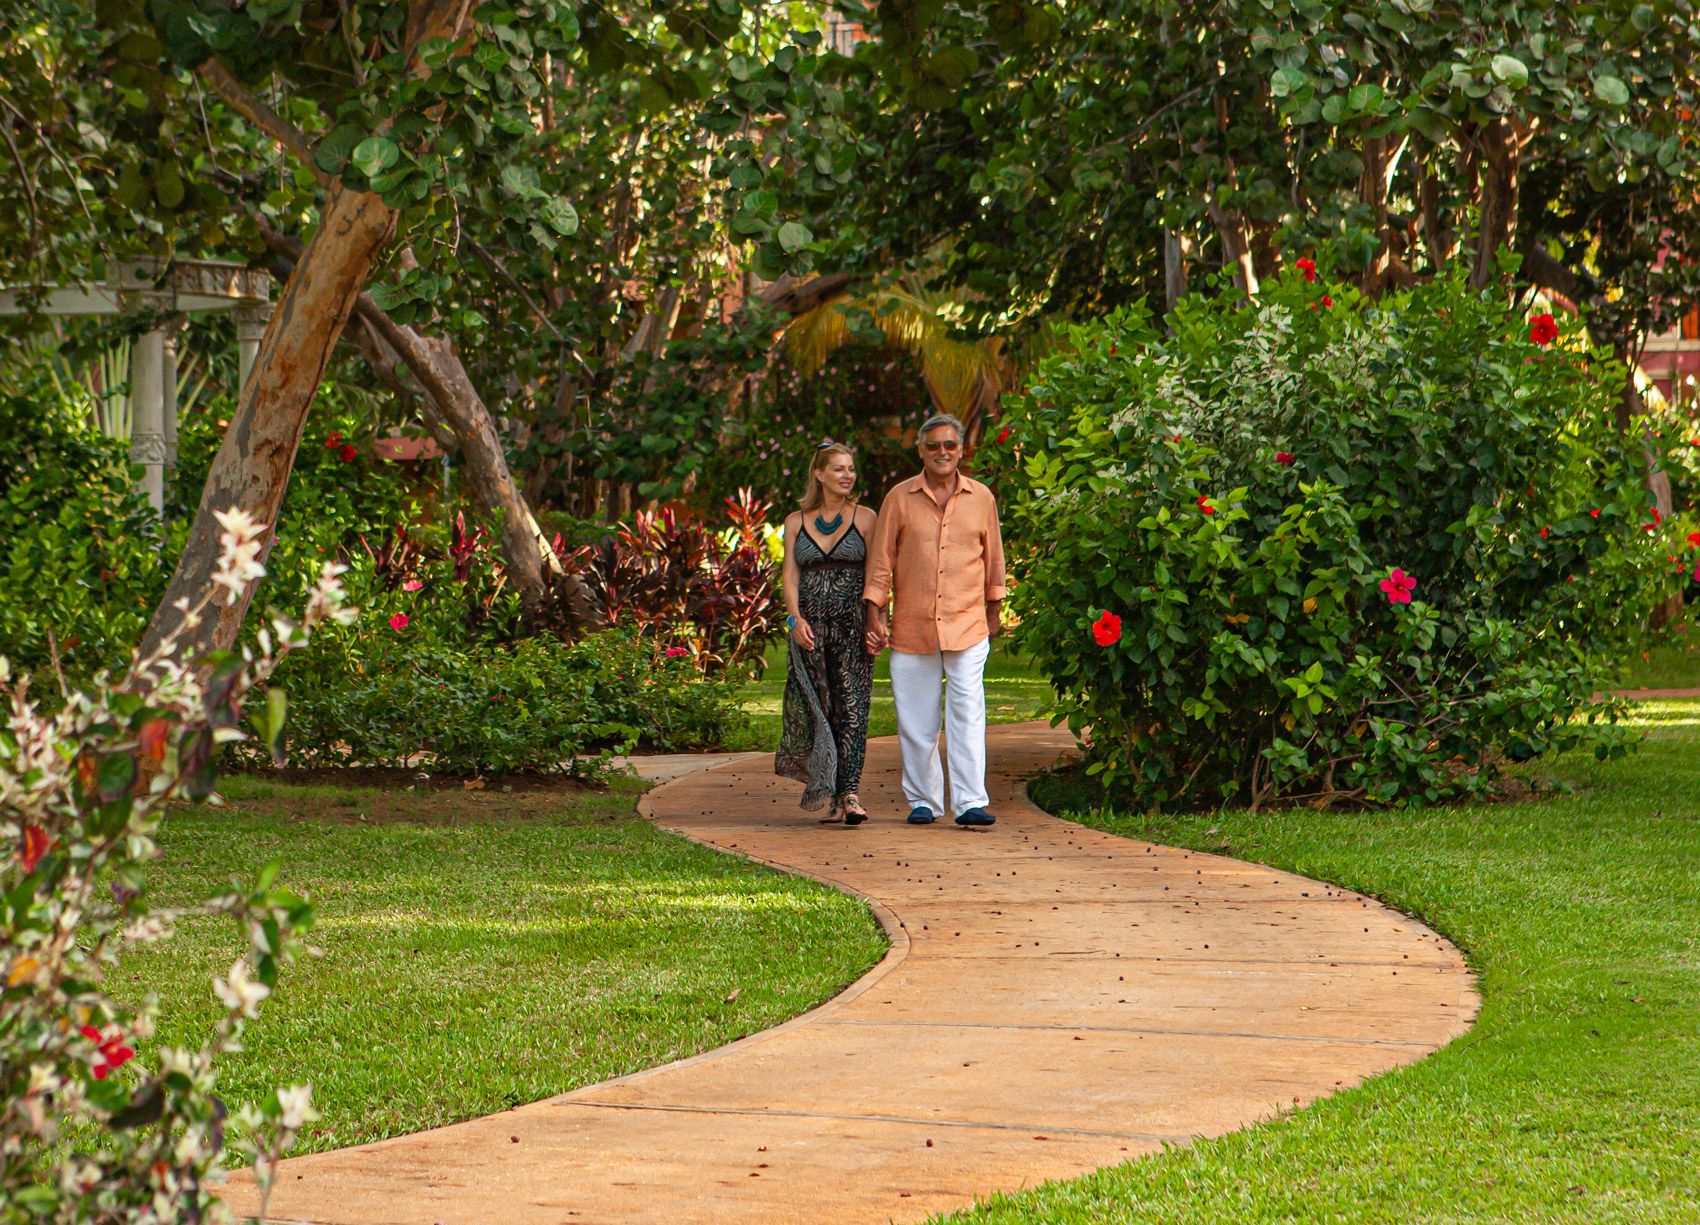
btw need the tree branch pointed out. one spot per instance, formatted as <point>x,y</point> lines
<point>243,101</point>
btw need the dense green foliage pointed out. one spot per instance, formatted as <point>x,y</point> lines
<point>1064,160</point>
<point>395,694</point>
<point>79,550</point>
<point>1572,1097</point>
<point>1221,529</point>
<point>592,945</point>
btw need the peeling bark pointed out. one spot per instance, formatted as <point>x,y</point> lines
<point>251,469</point>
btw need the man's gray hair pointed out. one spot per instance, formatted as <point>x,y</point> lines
<point>938,419</point>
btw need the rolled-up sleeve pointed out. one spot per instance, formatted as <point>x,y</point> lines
<point>876,586</point>
<point>996,580</point>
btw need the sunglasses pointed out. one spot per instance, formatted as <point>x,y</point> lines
<point>950,445</point>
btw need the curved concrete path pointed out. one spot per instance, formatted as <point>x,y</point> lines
<point>1054,1000</point>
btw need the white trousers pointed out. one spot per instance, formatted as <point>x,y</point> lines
<point>915,689</point>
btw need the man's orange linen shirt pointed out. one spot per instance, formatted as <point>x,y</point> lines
<point>944,565</point>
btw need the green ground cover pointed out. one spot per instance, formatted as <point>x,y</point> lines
<point>1577,1095</point>
<point>484,949</point>
<point>1015,691</point>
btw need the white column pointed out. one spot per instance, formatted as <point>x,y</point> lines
<point>147,425</point>
<point>251,320</point>
<point>168,384</point>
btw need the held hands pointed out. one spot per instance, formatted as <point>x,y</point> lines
<point>878,632</point>
<point>803,634</point>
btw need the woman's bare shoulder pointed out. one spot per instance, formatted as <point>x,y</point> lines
<point>865,516</point>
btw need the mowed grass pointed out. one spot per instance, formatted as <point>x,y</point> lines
<point>1672,664</point>
<point>1015,691</point>
<point>1576,1097</point>
<point>482,950</point>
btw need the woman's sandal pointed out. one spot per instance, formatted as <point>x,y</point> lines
<point>834,816</point>
<point>854,813</point>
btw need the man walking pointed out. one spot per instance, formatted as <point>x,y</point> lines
<point>937,558</point>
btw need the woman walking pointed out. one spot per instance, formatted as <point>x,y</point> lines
<point>831,673</point>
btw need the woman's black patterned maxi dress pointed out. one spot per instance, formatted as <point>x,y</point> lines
<point>829,688</point>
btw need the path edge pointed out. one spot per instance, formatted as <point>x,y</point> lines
<point>897,941</point>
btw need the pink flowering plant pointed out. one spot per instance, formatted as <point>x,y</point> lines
<point>1401,588</point>
<point>96,1124</point>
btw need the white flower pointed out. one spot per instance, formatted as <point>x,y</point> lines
<point>297,1103</point>
<point>241,993</point>
<point>239,552</point>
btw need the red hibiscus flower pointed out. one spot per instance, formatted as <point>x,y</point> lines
<point>1694,538</point>
<point>348,453</point>
<point>1284,458</point>
<point>1543,329</point>
<point>1107,629</point>
<point>1544,532</point>
<point>113,1052</point>
<point>1204,504</point>
<point>36,844</point>
<point>1327,301</point>
<point>1397,586</point>
<point>1307,268</point>
<point>334,439</point>
<point>399,621</point>
<point>1003,434</point>
<point>1595,513</point>
<point>675,652</point>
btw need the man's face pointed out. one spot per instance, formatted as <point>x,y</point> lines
<point>941,452</point>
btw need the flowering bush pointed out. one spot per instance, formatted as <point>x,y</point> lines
<point>1357,555</point>
<point>89,1131</point>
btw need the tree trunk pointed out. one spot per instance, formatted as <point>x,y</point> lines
<point>251,469</point>
<point>1176,249</point>
<point>532,565</point>
<point>1501,156</point>
<point>1236,245</point>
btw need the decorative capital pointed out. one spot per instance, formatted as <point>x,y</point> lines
<point>147,449</point>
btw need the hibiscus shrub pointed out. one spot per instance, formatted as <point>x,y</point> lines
<point>1320,548</point>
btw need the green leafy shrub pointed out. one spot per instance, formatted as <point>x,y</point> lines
<point>1220,530</point>
<point>388,692</point>
<point>79,550</point>
<point>89,1131</point>
<point>339,491</point>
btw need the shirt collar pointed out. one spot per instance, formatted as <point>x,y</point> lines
<point>918,484</point>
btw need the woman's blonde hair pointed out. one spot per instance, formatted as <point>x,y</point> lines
<point>813,495</point>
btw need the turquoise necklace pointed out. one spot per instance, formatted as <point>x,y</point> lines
<point>827,528</point>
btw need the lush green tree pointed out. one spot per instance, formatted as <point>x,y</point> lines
<point>422,169</point>
<point>1063,160</point>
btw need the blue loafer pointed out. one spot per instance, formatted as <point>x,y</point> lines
<point>920,815</point>
<point>976,816</point>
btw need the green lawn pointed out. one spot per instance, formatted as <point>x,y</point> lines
<point>1015,691</point>
<point>484,949</point>
<point>1577,1095</point>
<point>1672,665</point>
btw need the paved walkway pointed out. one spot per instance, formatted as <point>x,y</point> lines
<point>1054,1000</point>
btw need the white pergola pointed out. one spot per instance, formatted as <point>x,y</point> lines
<point>172,291</point>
